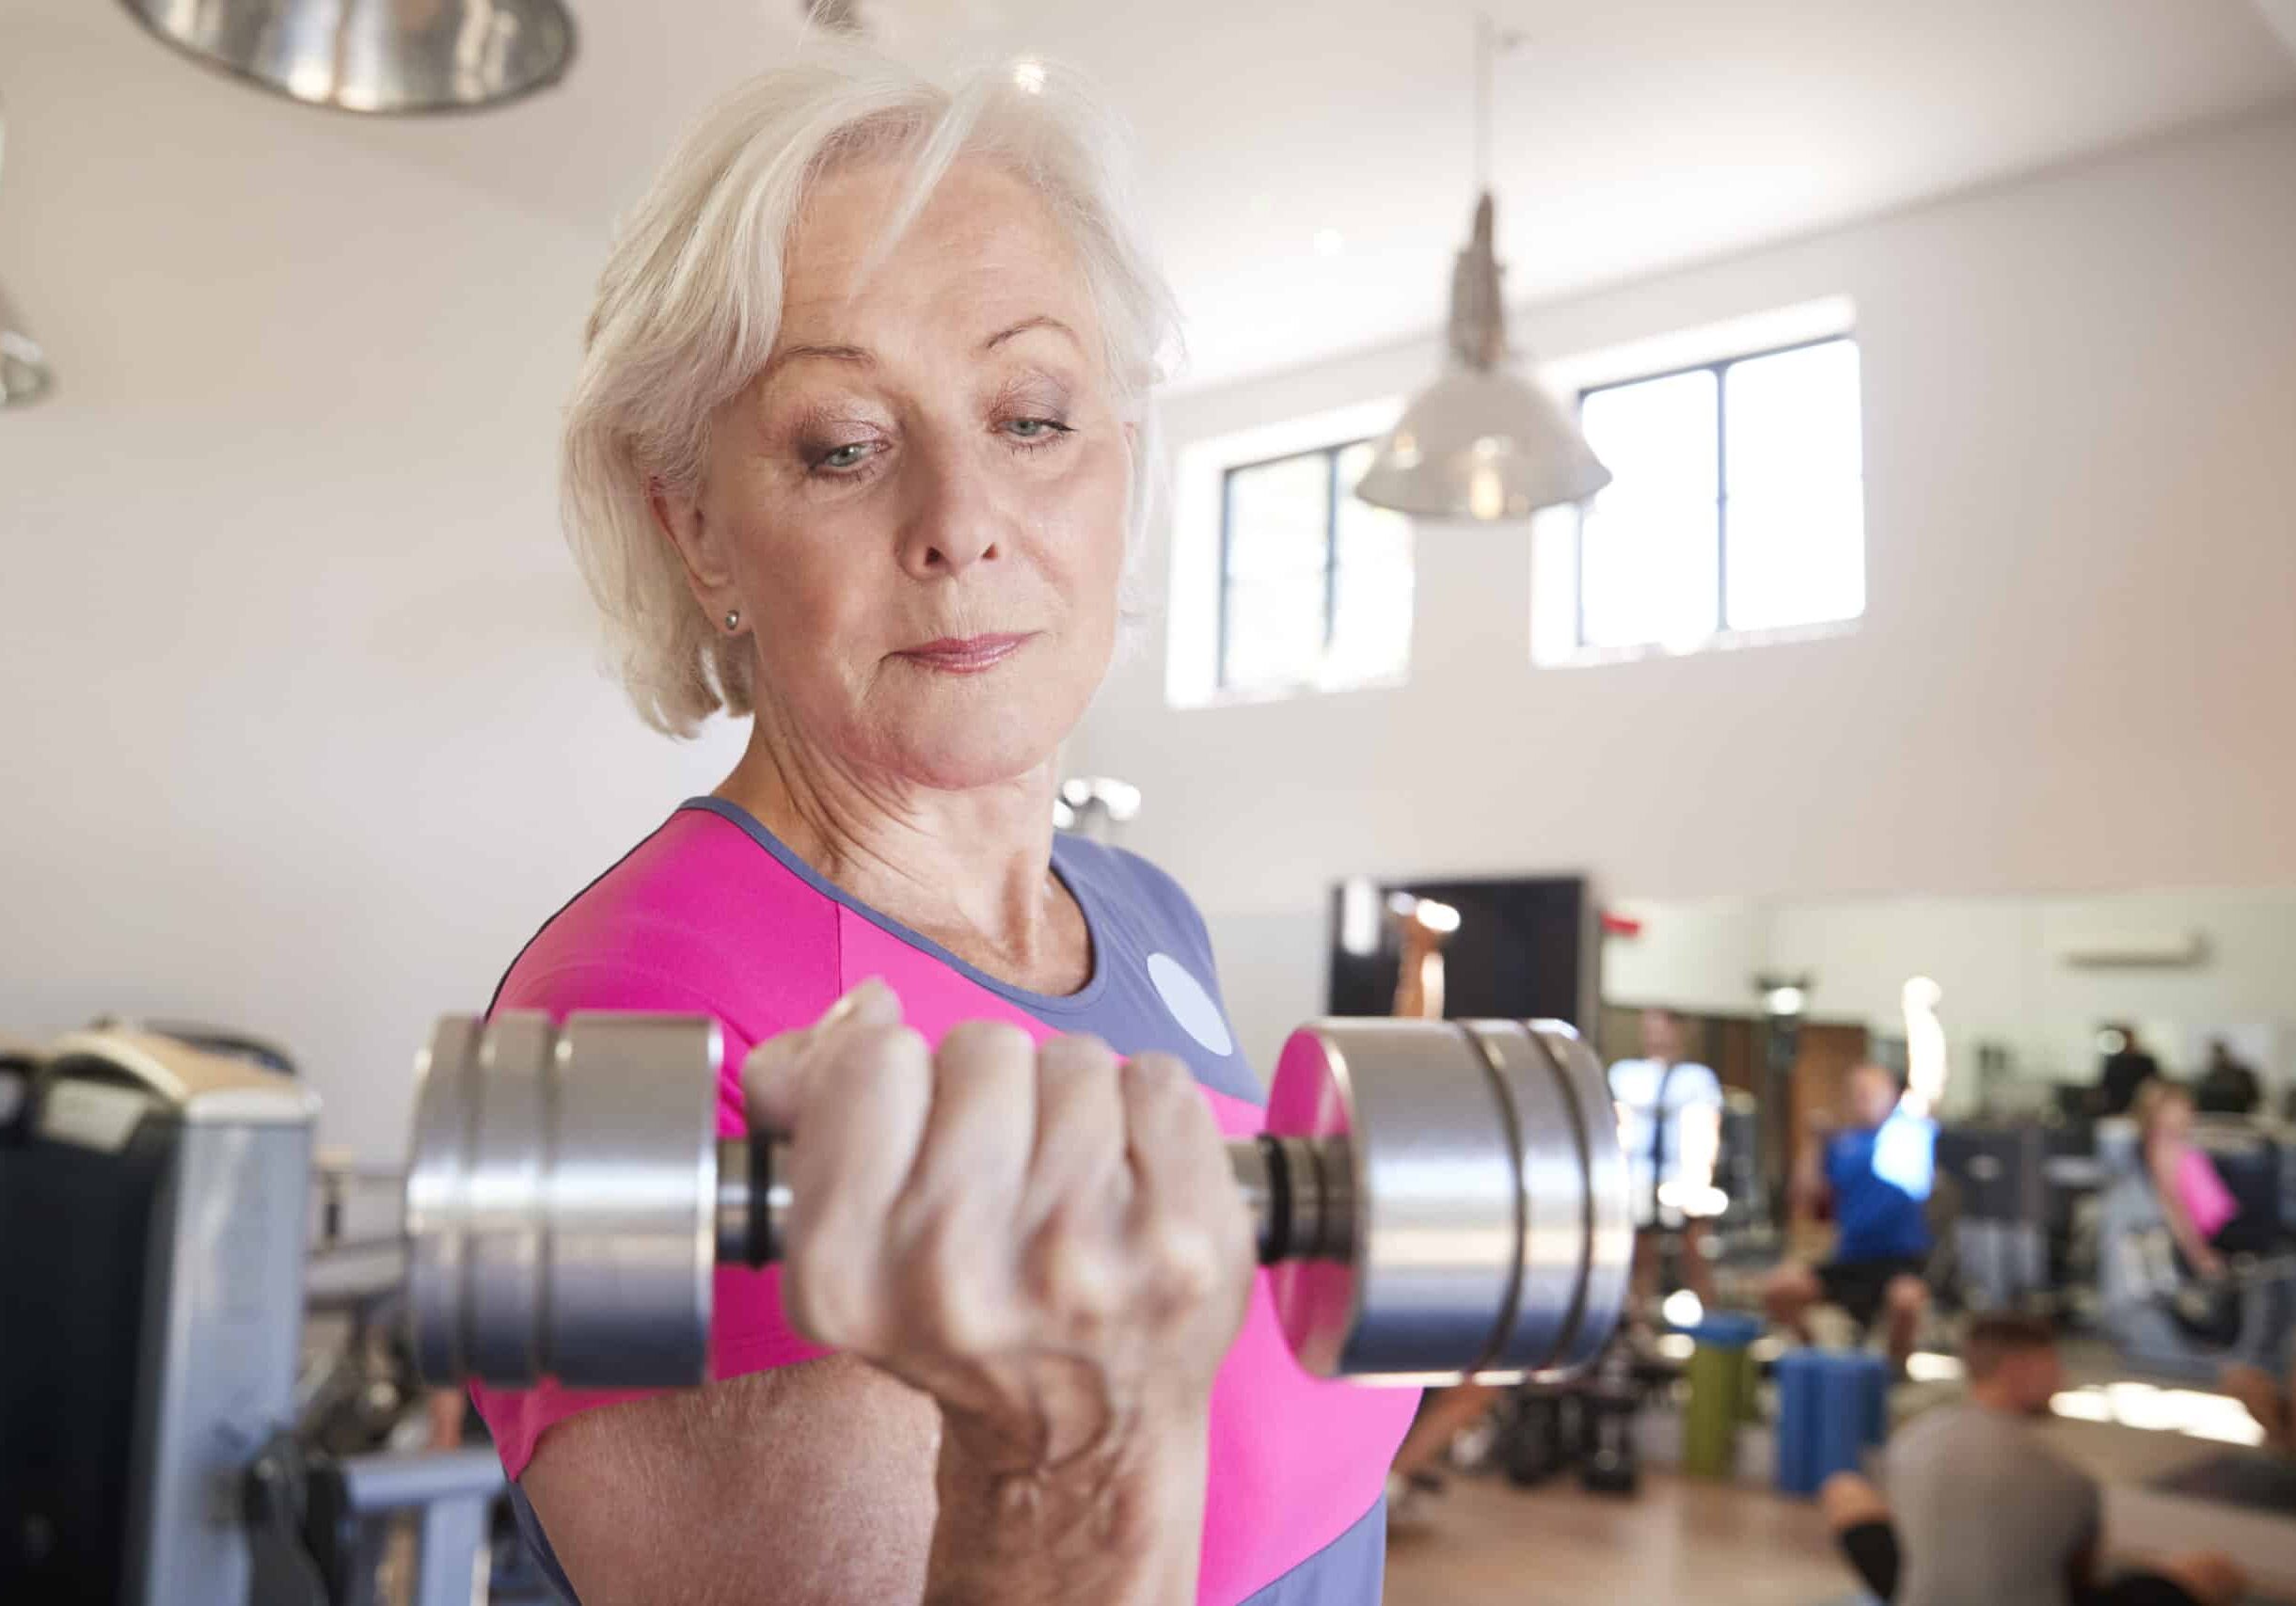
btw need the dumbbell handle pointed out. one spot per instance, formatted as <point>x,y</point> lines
<point>1296,1189</point>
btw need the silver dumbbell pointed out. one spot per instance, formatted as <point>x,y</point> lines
<point>1435,1200</point>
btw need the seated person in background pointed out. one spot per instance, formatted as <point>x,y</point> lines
<point>2126,1067</point>
<point>2227,1087</point>
<point>1670,1124</point>
<point>1875,1170</point>
<point>1979,1508</point>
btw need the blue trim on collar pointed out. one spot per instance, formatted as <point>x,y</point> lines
<point>1035,1003</point>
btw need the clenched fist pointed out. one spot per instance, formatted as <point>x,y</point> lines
<point>1047,1241</point>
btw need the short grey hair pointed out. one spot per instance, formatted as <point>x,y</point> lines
<point>689,306</point>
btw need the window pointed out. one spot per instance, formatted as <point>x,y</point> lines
<point>1315,585</point>
<point>1737,503</point>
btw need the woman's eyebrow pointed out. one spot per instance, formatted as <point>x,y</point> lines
<point>864,358</point>
<point>788,355</point>
<point>1041,320</point>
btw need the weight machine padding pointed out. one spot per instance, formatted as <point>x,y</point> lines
<point>76,1227</point>
<point>153,1204</point>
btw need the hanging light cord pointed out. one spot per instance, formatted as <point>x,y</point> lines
<point>1483,101</point>
<point>1490,44</point>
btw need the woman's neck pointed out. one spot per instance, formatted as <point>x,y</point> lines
<point>970,869</point>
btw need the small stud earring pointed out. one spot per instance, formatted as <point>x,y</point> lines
<point>733,620</point>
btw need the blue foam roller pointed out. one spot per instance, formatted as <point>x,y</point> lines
<point>1831,1405</point>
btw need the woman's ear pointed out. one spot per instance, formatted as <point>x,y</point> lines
<point>679,517</point>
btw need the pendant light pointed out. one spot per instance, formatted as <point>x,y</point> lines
<point>374,55</point>
<point>24,368</point>
<point>1482,441</point>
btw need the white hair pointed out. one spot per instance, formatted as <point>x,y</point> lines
<point>689,306</point>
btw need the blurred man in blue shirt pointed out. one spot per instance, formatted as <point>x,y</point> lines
<point>1875,1169</point>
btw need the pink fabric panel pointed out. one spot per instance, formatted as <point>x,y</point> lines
<point>2206,1199</point>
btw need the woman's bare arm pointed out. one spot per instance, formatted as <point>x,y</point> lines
<point>815,1486</point>
<point>811,1485</point>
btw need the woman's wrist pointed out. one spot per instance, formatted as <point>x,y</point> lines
<point>1120,1524</point>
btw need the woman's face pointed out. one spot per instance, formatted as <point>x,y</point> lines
<point>2174,1121</point>
<point>919,505</point>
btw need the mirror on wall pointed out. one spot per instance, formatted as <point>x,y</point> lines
<point>2033,995</point>
<point>2046,1013</point>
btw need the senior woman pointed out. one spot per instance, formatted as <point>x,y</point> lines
<point>858,451</point>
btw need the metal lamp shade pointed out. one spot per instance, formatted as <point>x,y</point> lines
<point>1481,443</point>
<point>374,55</point>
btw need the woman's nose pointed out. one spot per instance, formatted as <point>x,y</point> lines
<point>953,523</point>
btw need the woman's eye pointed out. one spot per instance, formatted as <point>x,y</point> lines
<point>846,456</point>
<point>1036,429</point>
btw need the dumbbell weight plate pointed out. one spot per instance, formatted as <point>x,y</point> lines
<point>1432,1191</point>
<point>1578,1246</point>
<point>561,1198</point>
<point>634,1245</point>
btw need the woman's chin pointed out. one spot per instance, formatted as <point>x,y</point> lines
<point>964,755</point>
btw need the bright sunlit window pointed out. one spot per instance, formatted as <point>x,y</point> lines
<point>1315,585</point>
<point>1738,501</point>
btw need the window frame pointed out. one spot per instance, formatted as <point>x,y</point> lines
<point>1720,367</point>
<point>1221,684</point>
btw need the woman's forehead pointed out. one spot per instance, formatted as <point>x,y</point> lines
<point>983,256</point>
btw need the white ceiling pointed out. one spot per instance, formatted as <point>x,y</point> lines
<point>1632,134</point>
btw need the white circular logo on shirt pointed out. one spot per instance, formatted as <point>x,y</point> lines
<point>1191,1006</point>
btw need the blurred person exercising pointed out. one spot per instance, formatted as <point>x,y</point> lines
<point>2126,1067</point>
<point>1979,1508</point>
<point>1670,1111</point>
<point>2227,1086</point>
<point>1875,1169</point>
<point>2202,1214</point>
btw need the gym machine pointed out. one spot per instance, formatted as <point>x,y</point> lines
<point>1434,1199</point>
<point>156,1202</point>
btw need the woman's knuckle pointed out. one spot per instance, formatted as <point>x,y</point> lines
<point>1074,1054</point>
<point>943,1267</point>
<point>1071,1273</point>
<point>999,1041</point>
<point>824,1298</point>
<point>880,1054</point>
<point>959,1318</point>
<point>1183,1264</point>
<point>1159,1086</point>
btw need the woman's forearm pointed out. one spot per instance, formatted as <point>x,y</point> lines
<point>2182,1228</point>
<point>1119,1527</point>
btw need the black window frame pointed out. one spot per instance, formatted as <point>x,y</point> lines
<point>1720,368</point>
<point>1330,454</point>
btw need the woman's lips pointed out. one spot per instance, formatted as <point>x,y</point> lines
<point>966,655</point>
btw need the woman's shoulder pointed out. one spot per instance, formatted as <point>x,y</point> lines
<point>1123,877</point>
<point>693,917</point>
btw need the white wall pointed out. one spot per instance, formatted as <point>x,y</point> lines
<point>1697,954</point>
<point>301,725</point>
<point>2078,669</point>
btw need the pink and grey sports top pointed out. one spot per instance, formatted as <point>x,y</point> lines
<point>713,915</point>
